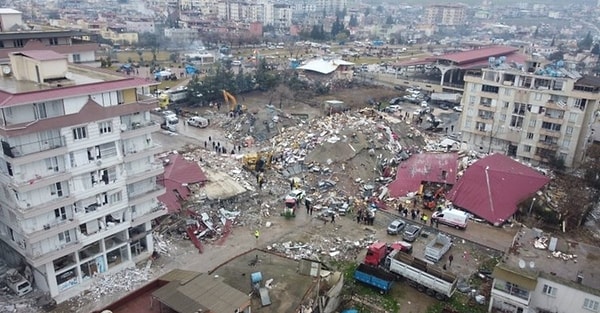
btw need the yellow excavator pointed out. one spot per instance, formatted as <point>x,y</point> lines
<point>257,161</point>
<point>231,101</point>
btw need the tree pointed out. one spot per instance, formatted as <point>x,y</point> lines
<point>264,78</point>
<point>147,40</point>
<point>353,21</point>
<point>586,43</point>
<point>174,57</point>
<point>389,20</point>
<point>556,56</point>
<point>367,11</point>
<point>596,49</point>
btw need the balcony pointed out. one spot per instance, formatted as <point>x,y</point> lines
<point>30,211</point>
<point>149,151</point>
<point>34,151</point>
<point>104,233</point>
<point>154,213</point>
<point>153,170</point>
<point>142,197</point>
<point>512,293</point>
<point>39,258</point>
<point>549,132</point>
<point>39,181</point>
<point>94,211</point>
<point>139,128</point>
<point>553,118</point>
<point>50,229</point>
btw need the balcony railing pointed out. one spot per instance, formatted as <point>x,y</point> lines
<point>512,290</point>
<point>53,227</point>
<point>33,147</point>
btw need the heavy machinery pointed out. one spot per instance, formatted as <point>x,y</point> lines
<point>257,161</point>
<point>231,101</point>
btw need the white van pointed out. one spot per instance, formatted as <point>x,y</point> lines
<point>451,217</point>
<point>198,121</point>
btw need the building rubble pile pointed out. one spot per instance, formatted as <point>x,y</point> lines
<point>120,282</point>
<point>323,247</point>
<point>314,152</point>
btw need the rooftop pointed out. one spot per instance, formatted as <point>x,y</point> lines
<point>534,254</point>
<point>79,80</point>
<point>424,167</point>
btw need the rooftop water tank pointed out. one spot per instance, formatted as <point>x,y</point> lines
<point>256,277</point>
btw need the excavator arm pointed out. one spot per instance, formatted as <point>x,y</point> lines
<point>230,101</point>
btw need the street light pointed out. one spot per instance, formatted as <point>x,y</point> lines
<point>531,206</point>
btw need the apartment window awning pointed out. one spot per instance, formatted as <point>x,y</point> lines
<point>526,281</point>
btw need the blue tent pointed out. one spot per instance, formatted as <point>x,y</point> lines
<point>190,70</point>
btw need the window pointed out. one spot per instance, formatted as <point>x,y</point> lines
<point>527,148</point>
<point>516,121</point>
<point>537,96</point>
<point>569,130</point>
<point>105,127</point>
<point>39,110</point>
<point>506,104</point>
<point>531,123</point>
<point>64,237</point>
<point>472,99</point>
<point>573,117</point>
<point>529,135</point>
<point>79,133</point>
<point>53,41</point>
<point>591,305</point>
<point>60,213</point>
<point>56,190</point>
<point>115,197</point>
<point>502,117</point>
<point>566,143</point>
<point>549,290</point>
<point>18,43</point>
<point>488,88</point>
<point>507,91</point>
<point>76,58</point>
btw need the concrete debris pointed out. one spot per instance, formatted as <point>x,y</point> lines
<point>322,246</point>
<point>112,284</point>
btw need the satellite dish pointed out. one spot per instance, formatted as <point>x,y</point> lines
<point>6,70</point>
<point>123,127</point>
<point>521,263</point>
<point>531,264</point>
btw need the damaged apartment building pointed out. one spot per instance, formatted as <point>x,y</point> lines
<point>79,178</point>
<point>539,113</point>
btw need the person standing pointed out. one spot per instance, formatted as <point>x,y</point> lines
<point>333,218</point>
<point>450,259</point>
<point>307,205</point>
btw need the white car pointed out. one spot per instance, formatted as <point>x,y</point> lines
<point>297,194</point>
<point>198,121</point>
<point>457,108</point>
<point>424,104</point>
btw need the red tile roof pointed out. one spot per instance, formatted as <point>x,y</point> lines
<point>492,187</point>
<point>424,167</point>
<point>42,55</point>
<point>477,54</point>
<point>62,49</point>
<point>10,99</point>
<point>179,173</point>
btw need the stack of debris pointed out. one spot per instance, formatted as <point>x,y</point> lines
<point>323,248</point>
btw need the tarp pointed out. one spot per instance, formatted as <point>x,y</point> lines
<point>492,187</point>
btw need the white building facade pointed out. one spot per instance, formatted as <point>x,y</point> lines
<point>532,115</point>
<point>79,179</point>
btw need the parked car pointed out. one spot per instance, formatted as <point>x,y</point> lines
<point>444,106</point>
<point>424,104</point>
<point>457,108</point>
<point>411,233</point>
<point>395,100</point>
<point>198,121</point>
<point>395,227</point>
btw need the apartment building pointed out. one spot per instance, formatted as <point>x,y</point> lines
<point>16,36</point>
<point>541,273</point>
<point>445,14</point>
<point>537,114</point>
<point>77,170</point>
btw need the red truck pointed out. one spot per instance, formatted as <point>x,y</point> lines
<point>378,251</point>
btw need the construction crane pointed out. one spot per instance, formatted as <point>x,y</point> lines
<point>231,101</point>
